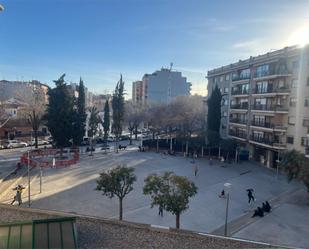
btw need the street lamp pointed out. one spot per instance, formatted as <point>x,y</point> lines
<point>227,189</point>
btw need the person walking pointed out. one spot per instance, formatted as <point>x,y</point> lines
<point>19,189</point>
<point>222,195</point>
<point>250,195</point>
<point>195,170</point>
<point>160,210</point>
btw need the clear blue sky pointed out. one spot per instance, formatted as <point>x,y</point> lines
<point>98,39</point>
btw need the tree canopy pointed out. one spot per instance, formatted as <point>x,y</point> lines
<point>117,182</point>
<point>59,113</point>
<point>106,120</point>
<point>296,165</point>
<point>171,192</point>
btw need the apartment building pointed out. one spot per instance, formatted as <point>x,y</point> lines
<point>265,104</point>
<point>137,92</point>
<point>161,87</point>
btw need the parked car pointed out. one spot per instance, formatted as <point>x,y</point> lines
<point>105,147</point>
<point>110,139</point>
<point>124,137</point>
<point>14,144</point>
<point>40,142</point>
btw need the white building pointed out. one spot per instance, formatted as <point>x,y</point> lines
<point>164,85</point>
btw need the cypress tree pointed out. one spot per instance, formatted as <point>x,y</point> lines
<point>59,113</point>
<point>106,121</point>
<point>118,110</point>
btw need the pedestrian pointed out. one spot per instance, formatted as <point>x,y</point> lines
<point>195,170</point>
<point>160,210</point>
<point>17,197</point>
<point>250,195</point>
<point>222,195</point>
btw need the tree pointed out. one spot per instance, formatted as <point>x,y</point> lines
<point>228,147</point>
<point>34,110</point>
<point>171,192</point>
<point>117,182</point>
<point>80,116</point>
<point>295,164</point>
<point>214,116</point>
<point>94,121</point>
<point>59,113</point>
<point>118,110</point>
<point>134,115</point>
<point>106,121</point>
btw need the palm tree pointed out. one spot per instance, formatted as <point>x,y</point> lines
<point>296,165</point>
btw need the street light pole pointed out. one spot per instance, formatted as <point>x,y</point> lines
<point>227,188</point>
<point>29,179</point>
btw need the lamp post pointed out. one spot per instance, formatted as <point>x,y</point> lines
<point>28,169</point>
<point>227,188</point>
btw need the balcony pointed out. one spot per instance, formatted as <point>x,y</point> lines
<point>262,107</point>
<point>271,74</point>
<point>237,134</point>
<point>267,142</point>
<point>262,124</point>
<point>271,90</point>
<point>238,121</point>
<point>239,78</point>
<point>240,106</point>
<point>240,92</point>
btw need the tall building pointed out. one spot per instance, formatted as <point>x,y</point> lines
<point>161,87</point>
<point>137,92</point>
<point>266,103</point>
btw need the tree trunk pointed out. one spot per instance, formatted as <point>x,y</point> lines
<point>136,133</point>
<point>187,147</point>
<point>177,220</point>
<point>157,144</point>
<point>35,138</point>
<point>130,137</point>
<point>120,209</point>
<point>117,142</point>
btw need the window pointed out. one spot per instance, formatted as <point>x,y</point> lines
<point>221,78</point>
<point>245,88</point>
<point>260,101</point>
<point>292,102</point>
<point>295,64</point>
<point>225,102</point>
<point>290,140</point>
<point>262,70</point>
<point>306,101</point>
<point>215,79</point>
<point>223,126</point>
<point>291,120</point>
<point>261,87</point>
<point>227,77</point>
<point>224,114</point>
<point>294,82</point>
<point>304,141</point>
<point>226,90</point>
<point>234,76</point>
<point>245,74</point>
<point>306,122</point>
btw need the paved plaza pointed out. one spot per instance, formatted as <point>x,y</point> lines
<point>72,190</point>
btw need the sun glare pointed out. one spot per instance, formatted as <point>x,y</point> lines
<point>300,36</point>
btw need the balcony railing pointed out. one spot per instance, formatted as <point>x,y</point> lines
<point>240,92</point>
<point>238,134</point>
<point>270,73</point>
<point>262,124</point>
<point>263,107</point>
<point>261,140</point>
<point>237,78</point>
<point>270,89</point>
<point>238,121</point>
<point>240,106</point>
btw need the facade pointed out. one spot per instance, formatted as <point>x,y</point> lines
<point>161,87</point>
<point>137,92</point>
<point>266,103</point>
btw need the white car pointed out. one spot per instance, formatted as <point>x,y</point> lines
<point>14,144</point>
<point>40,142</point>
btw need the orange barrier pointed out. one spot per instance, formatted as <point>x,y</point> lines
<point>49,152</point>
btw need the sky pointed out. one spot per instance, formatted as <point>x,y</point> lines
<point>100,39</point>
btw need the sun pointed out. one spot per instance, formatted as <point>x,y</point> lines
<point>300,36</point>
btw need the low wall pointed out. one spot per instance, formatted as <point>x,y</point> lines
<point>94,232</point>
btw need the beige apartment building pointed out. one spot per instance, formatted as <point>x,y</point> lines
<point>265,105</point>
